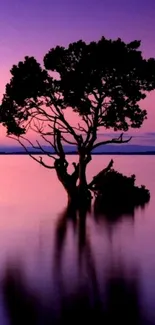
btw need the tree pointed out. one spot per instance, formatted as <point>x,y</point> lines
<point>102,82</point>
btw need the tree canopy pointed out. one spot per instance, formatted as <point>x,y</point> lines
<point>103,82</point>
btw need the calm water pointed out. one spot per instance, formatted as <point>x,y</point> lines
<point>55,269</point>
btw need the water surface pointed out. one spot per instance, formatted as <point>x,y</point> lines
<point>56,269</point>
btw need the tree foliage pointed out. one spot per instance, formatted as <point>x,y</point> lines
<point>103,82</point>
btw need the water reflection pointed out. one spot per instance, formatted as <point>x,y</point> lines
<point>113,297</point>
<point>117,303</point>
<point>20,303</point>
<point>114,214</point>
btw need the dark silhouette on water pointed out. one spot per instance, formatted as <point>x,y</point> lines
<point>20,303</point>
<point>115,300</point>
<point>117,194</point>
<point>103,82</point>
<point>121,304</point>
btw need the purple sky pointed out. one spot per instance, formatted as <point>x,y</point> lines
<point>32,27</point>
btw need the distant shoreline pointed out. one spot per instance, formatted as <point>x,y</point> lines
<point>147,153</point>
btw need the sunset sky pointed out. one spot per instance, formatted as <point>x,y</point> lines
<point>32,27</point>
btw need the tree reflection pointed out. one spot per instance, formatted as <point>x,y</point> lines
<point>114,300</point>
<point>122,296</point>
<point>114,213</point>
<point>120,304</point>
<point>20,303</point>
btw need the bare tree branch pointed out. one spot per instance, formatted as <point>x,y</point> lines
<point>115,140</point>
<point>44,151</point>
<point>47,140</point>
<point>81,128</point>
<point>68,141</point>
<point>40,160</point>
<point>68,126</point>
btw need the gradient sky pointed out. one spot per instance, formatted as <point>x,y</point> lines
<point>32,27</point>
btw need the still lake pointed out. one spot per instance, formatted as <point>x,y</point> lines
<point>55,269</point>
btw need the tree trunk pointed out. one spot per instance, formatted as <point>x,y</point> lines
<point>68,184</point>
<point>83,191</point>
<point>78,195</point>
<point>68,181</point>
<point>82,174</point>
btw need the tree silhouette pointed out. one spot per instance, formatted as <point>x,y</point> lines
<point>102,82</point>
